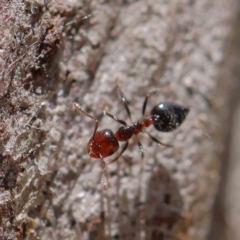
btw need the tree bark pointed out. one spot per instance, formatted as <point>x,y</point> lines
<point>55,53</point>
<point>225,223</point>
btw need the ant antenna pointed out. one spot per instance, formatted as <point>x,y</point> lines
<point>79,108</point>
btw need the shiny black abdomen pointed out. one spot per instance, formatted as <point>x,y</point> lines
<point>168,116</point>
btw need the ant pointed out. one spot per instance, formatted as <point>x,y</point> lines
<point>165,116</point>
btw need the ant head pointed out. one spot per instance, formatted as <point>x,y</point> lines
<point>102,144</point>
<point>168,116</point>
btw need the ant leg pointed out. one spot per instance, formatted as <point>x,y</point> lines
<point>104,180</point>
<point>121,153</point>
<point>79,108</point>
<point>140,146</point>
<point>146,101</point>
<point>114,118</point>
<point>148,95</point>
<point>124,100</point>
<point>157,141</point>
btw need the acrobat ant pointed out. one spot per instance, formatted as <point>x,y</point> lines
<point>165,116</point>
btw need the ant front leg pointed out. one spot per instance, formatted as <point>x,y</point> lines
<point>79,108</point>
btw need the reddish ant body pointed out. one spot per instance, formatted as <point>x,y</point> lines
<point>165,117</point>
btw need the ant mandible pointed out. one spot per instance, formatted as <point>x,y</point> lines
<point>165,116</point>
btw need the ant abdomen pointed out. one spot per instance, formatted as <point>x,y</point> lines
<point>168,116</point>
<point>103,144</point>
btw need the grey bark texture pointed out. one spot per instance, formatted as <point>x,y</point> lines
<point>226,218</point>
<point>54,53</point>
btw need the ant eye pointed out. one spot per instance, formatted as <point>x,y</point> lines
<point>168,116</point>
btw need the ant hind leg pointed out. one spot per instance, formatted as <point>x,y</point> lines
<point>157,141</point>
<point>144,106</point>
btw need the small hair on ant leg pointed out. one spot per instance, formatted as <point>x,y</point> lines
<point>165,116</point>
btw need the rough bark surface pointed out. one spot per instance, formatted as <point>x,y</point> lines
<point>225,221</point>
<point>54,53</point>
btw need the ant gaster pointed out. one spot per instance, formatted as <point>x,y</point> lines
<point>165,116</point>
